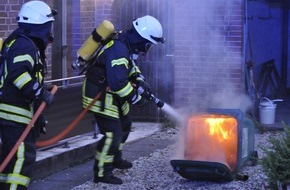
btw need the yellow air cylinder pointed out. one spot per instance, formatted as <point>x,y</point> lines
<point>101,33</point>
<point>1,44</point>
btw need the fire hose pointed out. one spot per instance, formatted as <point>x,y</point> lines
<point>25,132</point>
<point>70,127</point>
<point>61,135</point>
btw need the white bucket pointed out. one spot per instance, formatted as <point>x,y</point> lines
<point>267,111</point>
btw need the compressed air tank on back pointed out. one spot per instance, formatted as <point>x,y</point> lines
<point>101,33</point>
<point>1,44</point>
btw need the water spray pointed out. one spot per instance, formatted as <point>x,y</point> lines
<point>166,108</point>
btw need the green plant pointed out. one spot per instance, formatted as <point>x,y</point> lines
<point>276,163</point>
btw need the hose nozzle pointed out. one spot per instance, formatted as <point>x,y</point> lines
<point>159,103</point>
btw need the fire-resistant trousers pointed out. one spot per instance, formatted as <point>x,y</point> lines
<point>16,175</point>
<point>109,148</point>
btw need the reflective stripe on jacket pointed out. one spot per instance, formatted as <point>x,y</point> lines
<point>112,106</point>
<point>23,81</point>
<point>114,57</point>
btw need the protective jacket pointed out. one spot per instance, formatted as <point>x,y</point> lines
<point>22,81</point>
<point>113,67</point>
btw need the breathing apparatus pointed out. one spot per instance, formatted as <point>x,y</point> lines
<point>1,44</point>
<point>93,43</point>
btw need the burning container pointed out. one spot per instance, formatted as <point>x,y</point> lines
<point>217,145</point>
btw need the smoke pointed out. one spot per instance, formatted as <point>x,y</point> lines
<point>215,60</point>
<point>213,32</point>
<point>214,79</point>
<point>226,99</point>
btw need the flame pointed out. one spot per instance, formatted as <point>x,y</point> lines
<point>216,128</point>
<point>212,138</point>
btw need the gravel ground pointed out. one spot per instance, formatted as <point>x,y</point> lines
<point>155,172</point>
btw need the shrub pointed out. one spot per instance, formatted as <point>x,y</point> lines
<point>276,163</point>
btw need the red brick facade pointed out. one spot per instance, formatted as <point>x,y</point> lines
<point>207,41</point>
<point>208,47</point>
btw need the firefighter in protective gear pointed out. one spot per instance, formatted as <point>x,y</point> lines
<point>23,90</point>
<point>115,67</point>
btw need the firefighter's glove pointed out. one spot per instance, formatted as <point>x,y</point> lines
<point>40,124</point>
<point>138,100</point>
<point>47,97</point>
<point>144,90</point>
<point>136,78</point>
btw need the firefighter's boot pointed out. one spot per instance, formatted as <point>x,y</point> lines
<point>111,179</point>
<point>123,164</point>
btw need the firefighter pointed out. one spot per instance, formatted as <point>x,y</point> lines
<point>115,68</point>
<point>22,90</point>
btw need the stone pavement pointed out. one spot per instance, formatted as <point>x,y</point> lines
<point>70,164</point>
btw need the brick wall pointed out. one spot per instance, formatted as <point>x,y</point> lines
<point>8,13</point>
<point>82,17</point>
<point>207,41</point>
<point>208,50</point>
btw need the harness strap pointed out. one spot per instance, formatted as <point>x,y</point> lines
<point>103,97</point>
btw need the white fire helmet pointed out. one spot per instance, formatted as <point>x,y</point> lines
<point>149,28</point>
<point>35,12</point>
